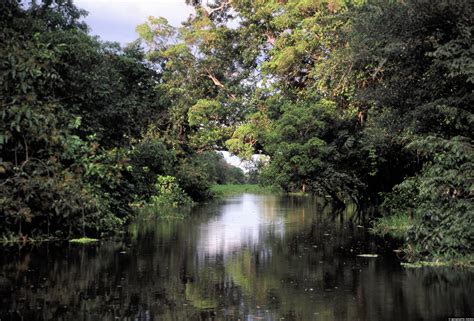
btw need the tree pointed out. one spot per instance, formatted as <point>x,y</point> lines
<point>43,189</point>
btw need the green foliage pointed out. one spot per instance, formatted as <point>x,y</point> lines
<point>67,100</point>
<point>307,146</point>
<point>396,225</point>
<point>420,124</point>
<point>433,218</point>
<point>43,188</point>
<point>83,240</point>
<point>156,31</point>
<point>234,175</point>
<point>194,178</point>
<point>169,194</point>
<point>113,88</point>
<point>202,67</point>
<point>207,117</point>
<point>369,101</point>
<point>362,100</point>
<point>246,137</point>
<point>149,159</point>
<point>440,198</point>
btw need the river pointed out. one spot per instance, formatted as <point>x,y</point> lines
<point>247,257</point>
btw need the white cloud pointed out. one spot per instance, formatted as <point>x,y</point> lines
<point>116,20</point>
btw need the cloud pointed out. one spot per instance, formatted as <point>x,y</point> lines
<point>116,20</point>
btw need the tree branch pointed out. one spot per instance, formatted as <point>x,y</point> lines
<point>270,38</point>
<point>210,11</point>
<point>214,80</point>
<point>218,83</point>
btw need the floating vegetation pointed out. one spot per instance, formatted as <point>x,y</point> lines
<point>462,263</point>
<point>367,255</point>
<point>83,240</point>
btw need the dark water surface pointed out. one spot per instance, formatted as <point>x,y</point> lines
<point>250,257</point>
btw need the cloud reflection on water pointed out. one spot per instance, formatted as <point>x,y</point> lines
<point>242,223</point>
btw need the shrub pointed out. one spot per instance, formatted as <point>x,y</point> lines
<point>169,194</point>
<point>440,198</point>
<point>147,160</point>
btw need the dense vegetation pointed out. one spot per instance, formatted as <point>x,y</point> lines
<point>84,132</point>
<point>364,101</point>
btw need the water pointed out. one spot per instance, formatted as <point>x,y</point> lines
<point>250,257</point>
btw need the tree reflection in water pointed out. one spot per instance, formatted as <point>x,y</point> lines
<point>250,257</point>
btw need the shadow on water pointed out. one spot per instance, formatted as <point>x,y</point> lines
<point>249,257</point>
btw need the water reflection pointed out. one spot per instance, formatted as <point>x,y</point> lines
<point>244,222</point>
<point>247,258</point>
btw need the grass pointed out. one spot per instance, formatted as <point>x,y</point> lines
<point>396,226</point>
<point>231,189</point>
<point>83,240</point>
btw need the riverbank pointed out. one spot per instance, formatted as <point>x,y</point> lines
<point>232,189</point>
<point>167,207</point>
<point>398,227</point>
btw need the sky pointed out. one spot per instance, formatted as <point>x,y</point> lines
<point>245,165</point>
<point>115,20</point>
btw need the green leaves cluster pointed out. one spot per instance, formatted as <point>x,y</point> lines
<point>364,101</point>
<point>440,197</point>
<point>82,128</point>
<point>42,187</point>
<point>169,194</point>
